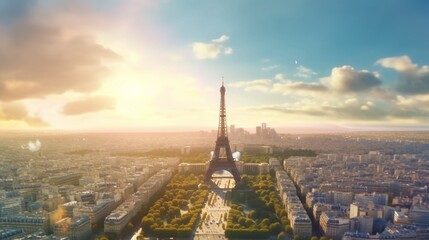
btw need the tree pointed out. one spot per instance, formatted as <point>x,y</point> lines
<point>252,214</point>
<point>130,225</point>
<point>283,213</point>
<point>266,222</point>
<point>289,229</point>
<point>275,228</point>
<point>281,235</point>
<point>242,221</point>
<point>102,238</point>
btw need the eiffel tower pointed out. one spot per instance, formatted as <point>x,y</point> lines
<point>219,162</point>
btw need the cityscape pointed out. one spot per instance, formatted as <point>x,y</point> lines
<point>135,120</point>
<point>103,186</point>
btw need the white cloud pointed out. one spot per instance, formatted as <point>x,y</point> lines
<point>400,64</point>
<point>205,50</point>
<point>296,87</point>
<point>279,77</point>
<point>221,39</point>
<point>213,50</point>
<point>364,107</point>
<point>349,94</point>
<point>89,105</point>
<point>269,68</point>
<point>346,79</point>
<point>304,72</point>
<point>14,111</point>
<point>351,101</point>
<point>262,85</point>
<point>227,50</point>
<point>413,79</point>
<point>419,101</point>
<point>51,57</point>
<point>280,85</point>
<point>342,81</point>
<point>326,110</point>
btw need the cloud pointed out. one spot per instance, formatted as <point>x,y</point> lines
<point>400,64</point>
<point>269,68</point>
<point>342,80</point>
<point>263,85</point>
<point>279,84</point>
<point>346,79</point>
<point>412,79</point>
<point>294,86</point>
<point>326,111</point>
<point>409,102</point>
<point>40,57</point>
<point>203,50</point>
<point>18,112</point>
<point>304,72</point>
<point>414,109</point>
<point>349,95</point>
<point>88,105</point>
<point>221,39</point>
<point>227,50</point>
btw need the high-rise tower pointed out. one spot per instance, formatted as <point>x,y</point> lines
<point>219,162</point>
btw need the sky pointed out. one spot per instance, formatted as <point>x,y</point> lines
<point>157,65</point>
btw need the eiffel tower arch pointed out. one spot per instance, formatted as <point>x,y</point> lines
<point>223,161</point>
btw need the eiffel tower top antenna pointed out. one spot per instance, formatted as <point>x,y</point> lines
<point>222,127</point>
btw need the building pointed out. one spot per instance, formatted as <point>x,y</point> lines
<point>10,234</point>
<point>301,225</point>
<point>67,208</point>
<point>116,221</point>
<point>62,227</point>
<point>186,150</point>
<point>375,198</point>
<point>10,209</point>
<point>11,206</point>
<point>275,164</point>
<point>334,224</point>
<point>80,228</point>
<point>193,167</point>
<point>419,214</point>
<point>28,224</point>
<point>318,208</point>
<point>365,225</point>
<point>74,228</point>
<point>65,179</point>
<point>95,212</point>
<point>399,218</point>
<point>258,131</point>
<point>342,198</point>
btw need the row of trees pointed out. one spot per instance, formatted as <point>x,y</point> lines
<point>256,157</point>
<point>267,216</point>
<point>177,211</point>
<point>196,155</point>
<point>201,154</point>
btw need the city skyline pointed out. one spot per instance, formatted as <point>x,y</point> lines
<point>157,65</point>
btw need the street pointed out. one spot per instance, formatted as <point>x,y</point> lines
<point>213,217</point>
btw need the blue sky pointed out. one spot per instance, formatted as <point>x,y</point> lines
<point>348,63</point>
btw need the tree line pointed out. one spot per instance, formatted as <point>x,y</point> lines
<point>177,211</point>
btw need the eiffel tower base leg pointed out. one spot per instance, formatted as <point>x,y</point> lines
<point>222,165</point>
